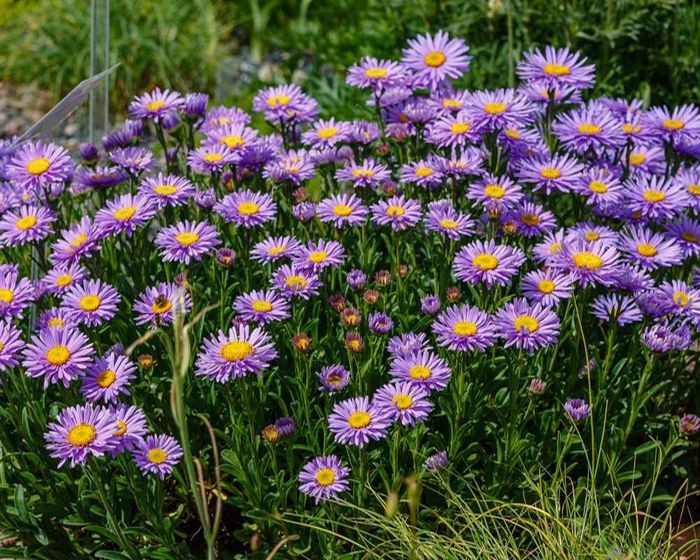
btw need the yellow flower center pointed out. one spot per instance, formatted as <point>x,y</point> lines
<point>327,132</point>
<point>38,166</point>
<point>56,322</point>
<point>79,240</point>
<point>424,171</point>
<point>161,305</point>
<point>448,224</point>
<point>588,128</point>
<point>494,191</point>
<point>419,372</point>
<point>233,141</point>
<point>63,280</point>
<point>157,456</point>
<point>278,100</point>
<point>637,159</point>
<point>495,108</point>
<point>81,435</point>
<point>527,322</point>
<point>376,72</point>
<point>318,256</point>
<point>212,158</point>
<point>274,251</point>
<point>165,190</point>
<point>90,302</point>
<point>6,295</point>
<point>451,103</point>
<point>584,259</point>
<point>465,328</point>
<point>402,402</point>
<point>550,173</point>
<point>325,477</point>
<point>359,420</point>
<point>459,128</point>
<point>694,189</point>
<point>673,124</point>
<point>26,223</point>
<point>681,298</point>
<point>485,261</point>
<point>512,134</point>
<point>545,286</point>
<point>435,59</point>
<point>530,219</point>
<point>654,196</point>
<point>155,105</point>
<point>262,306</point>
<point>598,187</point>
<point>106,378</point>
<point>646,249</point>
<point>187,238</point>
<point>628,128</point>
<point>395,211</point>
<point>58,355</point>
<point>121,428</point>
<point>334,380</point>
<point>248,208</point>
<point>363,173</point>
<point>342,210</point>
<point>555,248</point>
<point>295,281</point>
<point>236,350</point>
<point>556,69</point>
<point>689,236</point>
<point>125,213</point>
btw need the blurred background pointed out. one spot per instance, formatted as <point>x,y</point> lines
<point>648,49</point>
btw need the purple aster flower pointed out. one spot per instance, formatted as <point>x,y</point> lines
<point>101,177</point>
<point>195,105</point>
<point>376,74</point>
<point>327,133</point>
<point>293,167</point>
<point>315,256</point>
<point>530,219</point>
<point>37,165</point>
<point>398,211</point>
<point>363,132</point>
<point>53,318</point>
<point>155,105</point>
<point>436,462</point>
<point>274,248</point>
<point>404,402</point>
<point>589,232</point>
<point>678,125</point>
<point>592,127</point>
<point>430,304</point>
<point>556,173</point>
<point>130,427</point>
<point>577,409</point>
<point>588,263</point>
<point>304,212</point>
<point>527,326</point>
<point>655,197</point>
<point>342,210</point>
<point>599,186</point>
<point>133,160</point>
<point>187,241</point>
<point>333,378</point>
<point>262,306</point>
<point>649,249</point>
<point>556,68</point>
<point>632,278</point>
<point>424,173</point>
<point>407,343</point>
<point>224,357</point>
<point>468,162</point>
<point>125,213</point>
<point>293,281</point>
<point>16,294</point>
<point>26,224</point>
<point>356,422</point>
<point>686,234</point>
<point>677,298</point>
<point>78,241</point>
<point>455,130</point>
<point>447,100</point>
<point>647,159</point>
<point>221,116</point>
<point>495,193</point>
<point>205,199</point>
<point>488,263</point>
<point>666,336</point>
<point>618,308</point>
<point>78,432</point>
<point>62,278</point>
<point>369,173</point>
<point>548,286</point>
<point>688,178</point>
<point>10,345</point>
<point>424,369</point>
<point>88,151</point>
<point>237,137</point>
<point>357,279</point>
<point>156,305</point>
<point>436,58</point>
<point>92,302</point>
<point>247,208</point>
<point>689,424</point>
<point>464,328</point>
<point>379,322</point>
<point>498,109</point>
<point>443,218</point>
<point>285,103</point>
<point>57,355</point>
<point>157,454</point>
<point>323,478</point>
<point>107,378</point>
<point>210,159</point>
<point>167,190</point>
